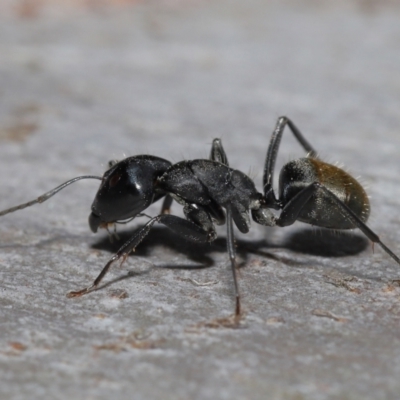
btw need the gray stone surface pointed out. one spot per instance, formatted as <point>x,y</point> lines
<point>322,320</point>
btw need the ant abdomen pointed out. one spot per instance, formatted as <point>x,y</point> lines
<point>321,210</point>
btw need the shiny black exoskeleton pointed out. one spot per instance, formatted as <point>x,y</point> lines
<point>127,189</point>
<point>211,192</point>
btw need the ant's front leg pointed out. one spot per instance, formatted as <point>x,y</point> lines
<point>187,229</point>
<point>166,205</point>
<point>123,253</point>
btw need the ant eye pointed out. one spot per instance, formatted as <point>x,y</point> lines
<point>114,180</point>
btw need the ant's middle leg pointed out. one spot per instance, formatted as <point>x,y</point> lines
<point>230,242</point>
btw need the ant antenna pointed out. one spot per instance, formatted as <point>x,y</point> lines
<point>47,195</point>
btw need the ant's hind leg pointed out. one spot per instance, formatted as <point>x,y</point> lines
<point>293,208</point>
<point>272,152</point>
<point>349,214</point>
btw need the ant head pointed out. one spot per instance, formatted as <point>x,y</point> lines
<point>127,189</point>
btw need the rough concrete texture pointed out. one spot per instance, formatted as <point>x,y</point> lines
<point>322,318</point>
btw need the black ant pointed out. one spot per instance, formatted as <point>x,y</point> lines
<point>211,192</point>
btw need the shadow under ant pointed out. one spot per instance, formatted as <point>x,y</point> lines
<point>325,242</point>
<point>311,241</point>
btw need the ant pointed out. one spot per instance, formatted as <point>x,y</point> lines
<point>211,192</point>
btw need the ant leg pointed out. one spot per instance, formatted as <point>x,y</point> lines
<point>166,205</point>
<point>230,243</point>
<point>197,228</point>
<point>272,153</point>
<point>218,153</point>
<point>123,252</point>
<point>292,210</point>
<point>189,230</point>
<point>201,217</point>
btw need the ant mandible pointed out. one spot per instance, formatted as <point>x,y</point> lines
<point>211,192</point>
